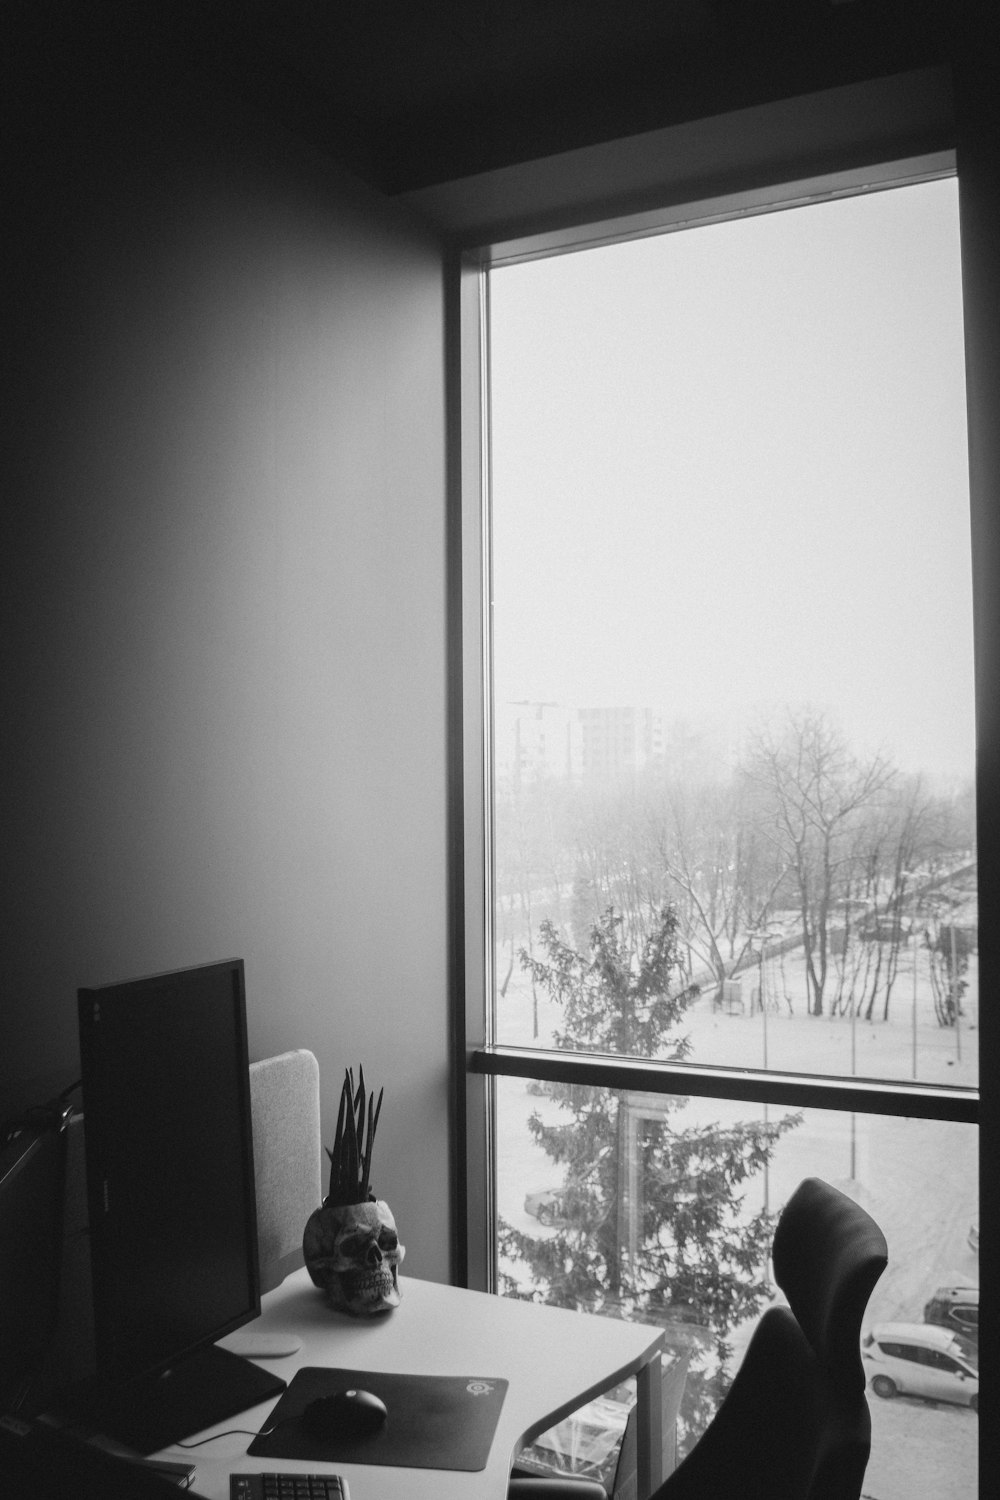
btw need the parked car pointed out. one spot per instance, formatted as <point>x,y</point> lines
<point>955,1308</point>
<point>882,930</point>
<point>920,1359</point>
<point>545,1206</point>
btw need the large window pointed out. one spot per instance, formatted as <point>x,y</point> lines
<point>729,849</point>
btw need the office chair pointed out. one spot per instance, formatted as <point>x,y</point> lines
<point>794,1424</point>
<point>828,1253</point>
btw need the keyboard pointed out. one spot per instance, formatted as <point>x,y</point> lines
<point>288,1487</point>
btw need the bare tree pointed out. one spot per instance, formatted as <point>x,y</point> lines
<point>722,869</point>
<point>813,792</point>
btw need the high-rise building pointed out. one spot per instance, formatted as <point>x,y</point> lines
<point>617,742</point>
<point>534,741</point>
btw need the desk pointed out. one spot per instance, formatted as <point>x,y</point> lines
<point>554,1360</point>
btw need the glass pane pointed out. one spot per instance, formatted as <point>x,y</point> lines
<point>732,646</point>
<point>663,1209</point>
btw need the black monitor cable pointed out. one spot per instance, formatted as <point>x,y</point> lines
<point>55,1114</point>
<point>239,1432</point>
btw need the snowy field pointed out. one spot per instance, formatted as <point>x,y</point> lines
<point>917,1178</point>
<point>910,1045</point>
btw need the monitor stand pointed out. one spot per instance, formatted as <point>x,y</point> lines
<point>149,1412</point>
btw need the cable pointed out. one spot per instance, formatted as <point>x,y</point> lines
<point>239,1431</point>
<point>229,1432</point>
<point>56,1112</point>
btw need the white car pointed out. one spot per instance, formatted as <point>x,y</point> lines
<point>918,1359</point>
<point>545,1206</point>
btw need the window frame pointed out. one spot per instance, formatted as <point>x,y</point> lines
<point>811,147</point>
<point>485,1059</point>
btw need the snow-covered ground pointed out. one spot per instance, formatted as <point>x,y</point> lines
<point>911,1045</point>
<point>918,1178</point>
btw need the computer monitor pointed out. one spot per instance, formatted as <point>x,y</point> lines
<point>170,1189</point>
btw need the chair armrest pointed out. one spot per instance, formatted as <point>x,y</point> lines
<point>556,1488</point>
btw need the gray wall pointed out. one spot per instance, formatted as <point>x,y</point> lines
<point>224,595</point>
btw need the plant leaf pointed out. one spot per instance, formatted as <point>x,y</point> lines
<point>372,1123</point>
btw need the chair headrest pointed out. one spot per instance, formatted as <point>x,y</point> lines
<point>828,1254</point>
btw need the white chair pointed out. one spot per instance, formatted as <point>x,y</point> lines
<point>284,1103</point>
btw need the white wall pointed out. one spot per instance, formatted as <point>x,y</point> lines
<point>225,598</point>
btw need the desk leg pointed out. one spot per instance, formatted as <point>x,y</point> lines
<point>649,1428</point>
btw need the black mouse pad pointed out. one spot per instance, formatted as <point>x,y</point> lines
<point>434,1421</point>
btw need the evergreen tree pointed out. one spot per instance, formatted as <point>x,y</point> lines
<point>687,1251</point>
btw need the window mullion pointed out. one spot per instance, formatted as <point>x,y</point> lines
<point>867,1096</point>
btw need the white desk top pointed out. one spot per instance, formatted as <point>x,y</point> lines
<point>554,1360</point>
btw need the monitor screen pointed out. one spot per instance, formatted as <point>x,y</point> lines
<point>170,1180</point>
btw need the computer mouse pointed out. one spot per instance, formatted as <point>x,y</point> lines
<point>345,1414</point>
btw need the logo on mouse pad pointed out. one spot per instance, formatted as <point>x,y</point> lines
<point>480,1388</point>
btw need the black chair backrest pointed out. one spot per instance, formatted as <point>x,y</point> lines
<point>828,1253</point>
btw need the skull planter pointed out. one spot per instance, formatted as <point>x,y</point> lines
<point>352,1252</point>
<point>350,1244</point>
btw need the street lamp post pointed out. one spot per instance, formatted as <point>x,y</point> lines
<point>764,934</point>
<point>763,995</point>
<point>956,995</point>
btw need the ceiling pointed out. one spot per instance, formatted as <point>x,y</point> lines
<point>414,92</point>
